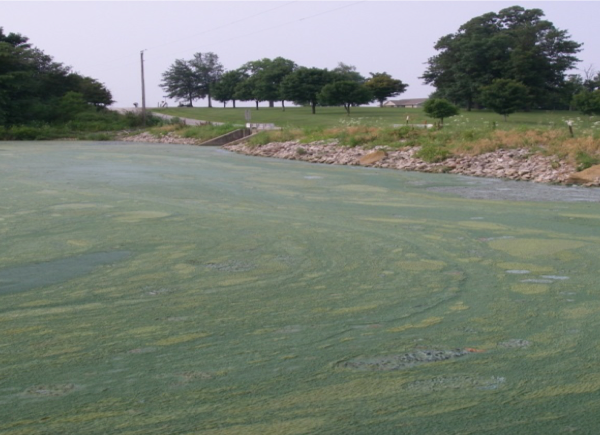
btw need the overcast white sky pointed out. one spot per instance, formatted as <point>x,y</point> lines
<point>103,39</point>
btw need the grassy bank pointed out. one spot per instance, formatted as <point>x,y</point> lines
<point>469,133</point>
<point>102,125</point>
<point>198,132</point>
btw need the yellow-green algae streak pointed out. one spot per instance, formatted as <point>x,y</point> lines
<point>150,289</point>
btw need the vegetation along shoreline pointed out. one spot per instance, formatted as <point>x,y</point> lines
<point>519,164</point>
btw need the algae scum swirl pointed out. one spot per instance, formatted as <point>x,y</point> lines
<point>163,289</point>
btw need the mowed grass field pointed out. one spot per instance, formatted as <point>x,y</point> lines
<point>473,132</point>
<point>301,117</point>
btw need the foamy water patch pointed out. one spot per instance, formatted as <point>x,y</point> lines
<point>133,217</point>
<point>78,206</point>
<point>555,277</point>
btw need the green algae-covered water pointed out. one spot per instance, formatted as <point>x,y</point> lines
<point>163,289</point>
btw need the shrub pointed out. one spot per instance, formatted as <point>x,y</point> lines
<point>205,132</point>
<point>588,103</point>
<point>313,134</point>
<point>31,132</point>
<point>164,130</point>
<point>262,138</point>
<point>438,108</point>
<point>403,132</point>
<point>433,153</point>
<point>469,135</point>
<point>584,160</point>
<point>135,119</point>
<point>366,139</point>
<point>98,137</point>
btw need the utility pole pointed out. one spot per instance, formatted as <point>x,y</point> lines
<point>143,91</point>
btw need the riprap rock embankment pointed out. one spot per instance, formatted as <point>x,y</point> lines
<point>513,164</point>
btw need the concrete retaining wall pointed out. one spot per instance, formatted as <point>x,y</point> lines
<point>228,138</point>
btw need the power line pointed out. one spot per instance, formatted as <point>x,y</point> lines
<point>120,65</point>
<point>224,25</point>
<point>333,10</point>
<point>292,22</point>
<point>279,25</point>
<point>204,32</point>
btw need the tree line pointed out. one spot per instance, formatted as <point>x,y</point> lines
<point>35,88</point>
<point>275,80</point>
<point>507,61</point>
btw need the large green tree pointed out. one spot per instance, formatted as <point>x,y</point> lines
<point>346,93</point>
<point>194,79</point>
<point>246,89</point>
<point>32,84</point>
<point>515,43</point>
<point>16,76</point>
<point>344,72</point>
<point>94,92</point>
<point>269,76</point>
<point>303,86</point>
<point>226,88</point>
<point>208,71</point>
<point>181,82</point>
<point>383,86</point>
<point>263,80</point>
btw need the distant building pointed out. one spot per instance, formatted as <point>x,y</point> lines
<point>411,103</point>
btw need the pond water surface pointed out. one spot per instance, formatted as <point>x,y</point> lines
<point>178,289</point>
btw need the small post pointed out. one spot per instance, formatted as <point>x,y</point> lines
<point>248,117</point>
<point>570,124</point>
<point>143,91</point>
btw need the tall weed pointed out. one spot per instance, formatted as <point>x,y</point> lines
<point>269,136</point>
<point>433,152</point>
<point>205,132</point>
